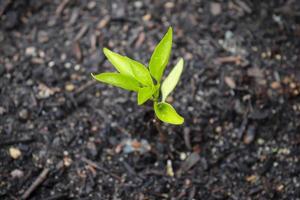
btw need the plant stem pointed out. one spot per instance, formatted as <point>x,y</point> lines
<point>162,135</point>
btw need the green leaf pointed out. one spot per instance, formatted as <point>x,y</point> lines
<point>144,94</point>
<point>165,112</point>
<point>119,80</point>
<point>119,62</point>
<point>140,72</point>
<point>171,81</point>
<point>160,56</point>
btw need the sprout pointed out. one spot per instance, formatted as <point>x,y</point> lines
<point>134,76</point>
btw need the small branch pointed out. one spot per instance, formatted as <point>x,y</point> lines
<point>36,183</point>
<point>15,141</point>
<point>95,165</point>
<point>228,59</point>
<point>61,7</point>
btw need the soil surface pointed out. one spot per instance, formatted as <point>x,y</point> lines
<point>65,136</point>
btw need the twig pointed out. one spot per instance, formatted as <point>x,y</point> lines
<point>58,196</point>
<point>61,7</point>
<point>228,59</point>
<point>22,140</point>
<point>95,165</point>
<point>84,87</point>
<point>81,32</point>
<point>77,51</point>
<point>36,183</point>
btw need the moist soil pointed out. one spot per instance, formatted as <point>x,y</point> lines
<point>65,136</point>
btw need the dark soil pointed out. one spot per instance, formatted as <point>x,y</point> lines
<point>65,136</point>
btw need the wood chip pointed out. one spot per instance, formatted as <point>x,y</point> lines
<point>15,153</point>
<point>140,40</point>
<point>170,171</point>
<point>229,59</point>
<point>280,188</point>
<point>103,22</point>
<point>275,85</point>
<point>252,178</point>
<point>244,6</point>
<point>230,82</point>
<point>147,17</point>
<point>82,32</point>
<point>61,7</point>
<point>77,51</point>
<point>74,16</point>
<point>250,134</point>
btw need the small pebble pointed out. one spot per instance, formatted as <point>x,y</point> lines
<point>42,37</point>
<point>218,129</point>
<point>183,156</point>
<point>23,114</point>
<point>280,188</point>
<point>169,5</point>
<point>91,5</point>
<point>147,17</point>
<point>16,173</point>
<point>278,57</point>
<point>68,65</point>
<point>70,87</point>
<point>51,64</point>
<point>15,153</point>
<point>77,67</point>
<point>275,85</point>
<point>138,4</point>
<point>2,110</point>
<point>215,8</point>
<point>67,161</point>
<point>30,51</point>
<point>63,56</point>
<point>260,141</point>
<point>92,149</point>
<point>29,82</point>
<point>292,85</point>
<point>9,66</point>
<point>42,54</point>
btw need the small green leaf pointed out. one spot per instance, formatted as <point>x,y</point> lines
<point>165,112</point>
<point>119,62</point>
<point>144,94</point>
<point>160,56</point>
<point>171,81</point>
<point>140,72</point>
<point>119,80</point>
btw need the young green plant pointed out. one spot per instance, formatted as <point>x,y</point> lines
<point>147,81</point>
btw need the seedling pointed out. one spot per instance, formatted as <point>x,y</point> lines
<point>147,82</point>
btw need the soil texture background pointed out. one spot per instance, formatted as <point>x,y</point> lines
<point>65,136</point>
